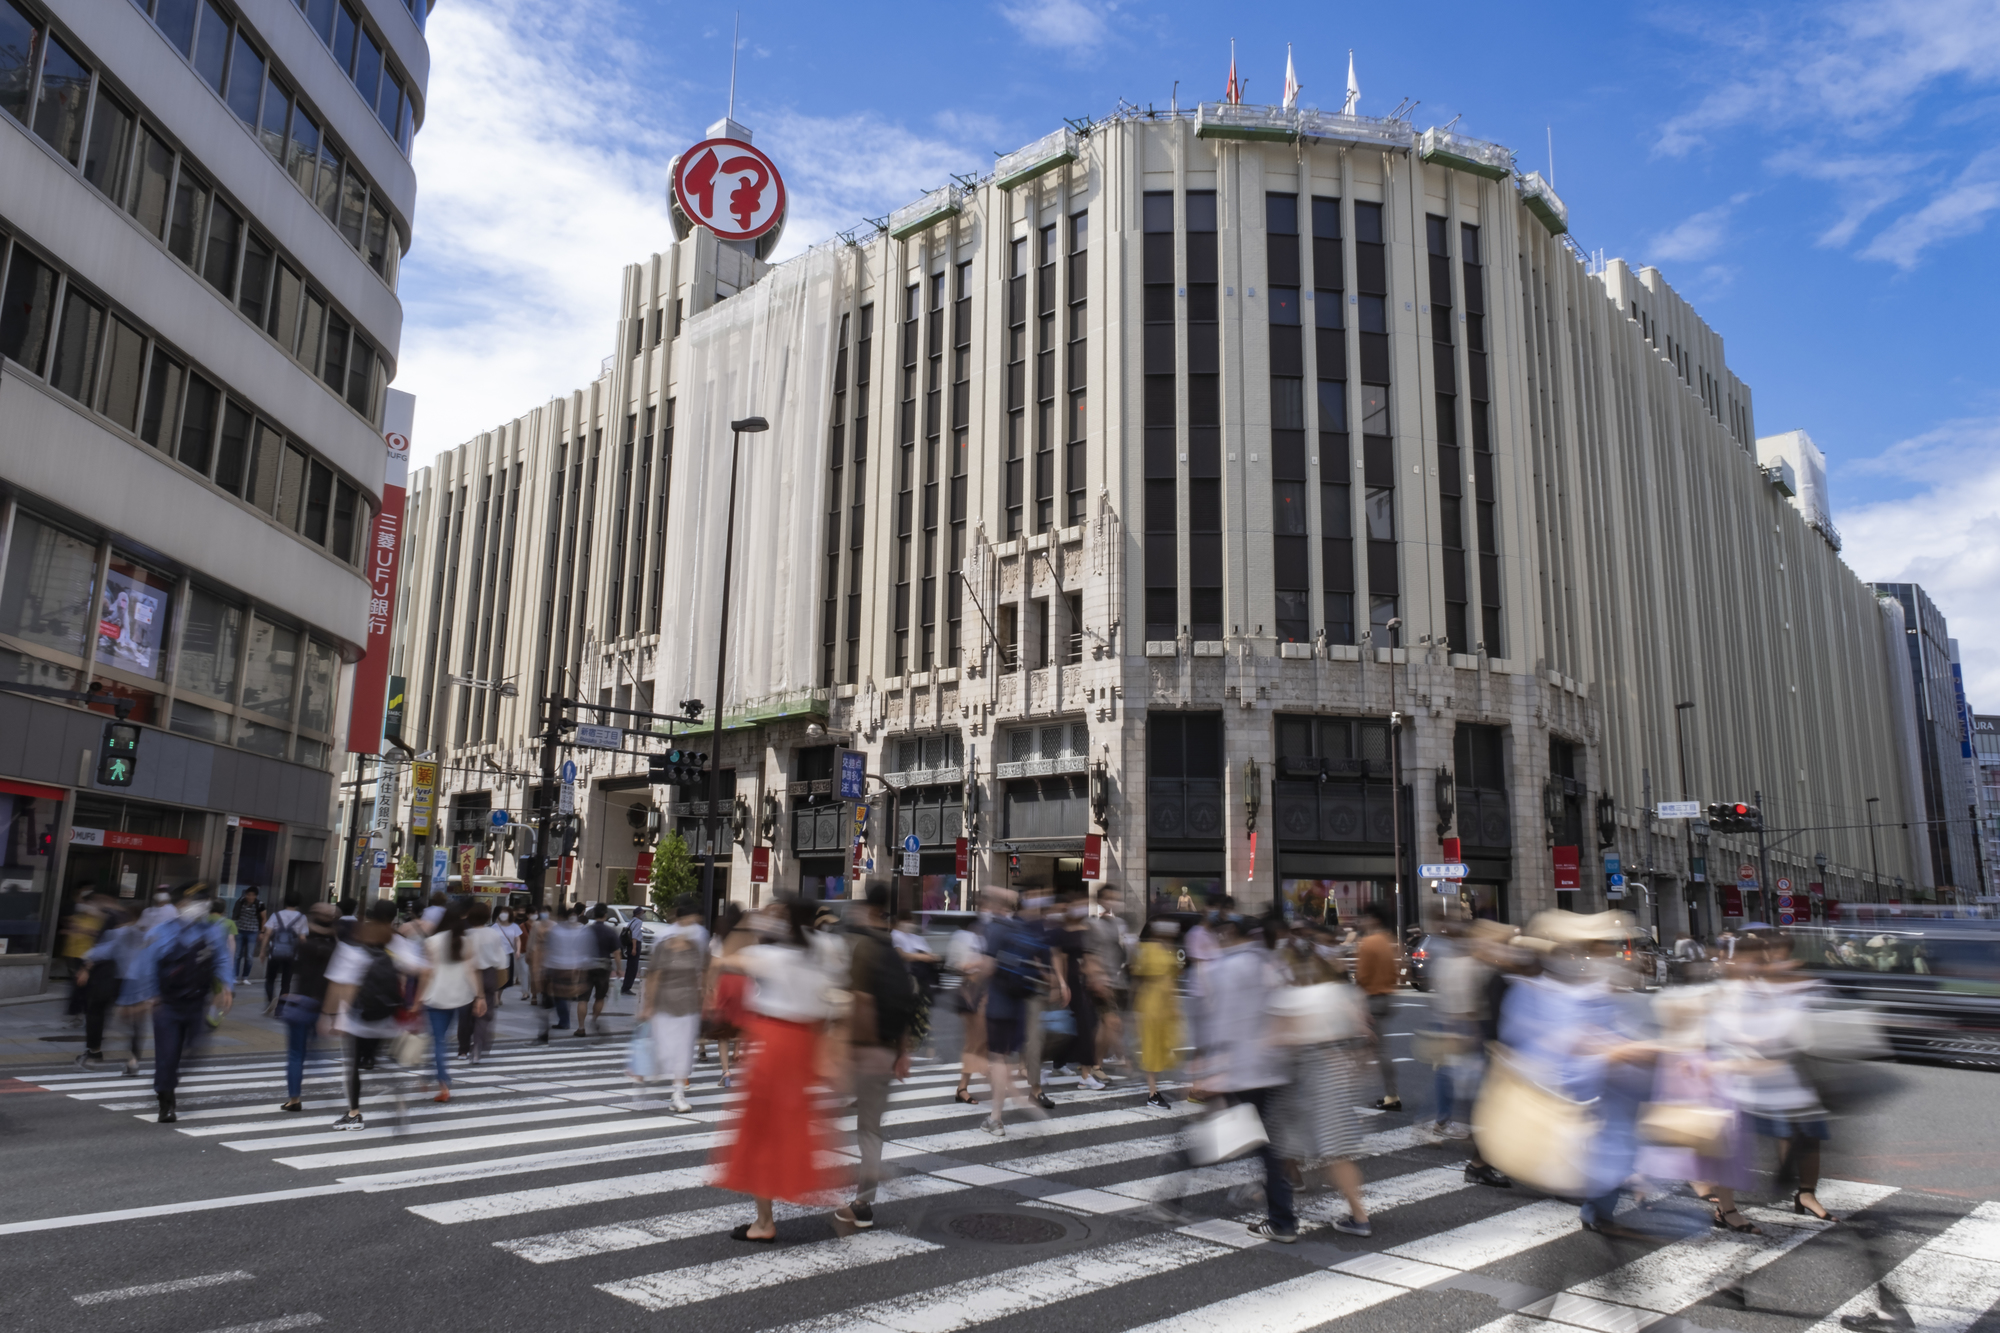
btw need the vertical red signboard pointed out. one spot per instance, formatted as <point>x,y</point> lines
<point>760,865</point>
<point>1093,856</point>
<point>1567,874</point>
<point>385,544</point>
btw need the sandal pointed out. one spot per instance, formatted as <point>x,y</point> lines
<point>963,1096</point>
<point>743,1233</point>
<point>1816,1211</point>
<point>1741,1225</point>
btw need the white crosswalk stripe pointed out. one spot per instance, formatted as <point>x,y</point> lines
<point>606,1174</point>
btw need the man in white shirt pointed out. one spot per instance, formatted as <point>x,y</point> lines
<point>491,954</point>
<point>278,946</point>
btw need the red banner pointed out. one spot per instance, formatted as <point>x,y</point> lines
<point>261,825</point>
<point>385,544</point>
<point>1451,850</point>
<point>1093,856</point>
<point>131,842</point>
<point>642,875</point>
<point>964,855</point>
<point>1568,876</point>
<point>760,865</point>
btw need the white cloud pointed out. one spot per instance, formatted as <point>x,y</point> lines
<point>1943,536</point>
<point>1696,237</point>
<point>1867,184</point>
<point>1072,25</point>
<point>1959,209</point>
<point>541,171</point>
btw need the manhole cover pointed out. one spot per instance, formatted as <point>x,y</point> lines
<point>1006,1228</point>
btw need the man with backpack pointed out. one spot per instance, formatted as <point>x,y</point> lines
<point>1021,972</point>
<point>185,961</point>
<point>884,1001</point>
<point>364,994</point>
<point>280,949</point>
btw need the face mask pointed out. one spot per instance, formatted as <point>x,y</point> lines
<point>194,911</point>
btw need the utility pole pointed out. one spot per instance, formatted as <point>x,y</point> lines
<point>354,824</point>
<point>1680,744</point>
<point>1763,860</point>
<point>737,429</point>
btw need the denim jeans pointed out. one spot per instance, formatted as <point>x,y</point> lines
<point>441,1021</point>
<point>298,1045</point>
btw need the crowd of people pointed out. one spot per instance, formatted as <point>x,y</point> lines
<point>1553,1064</point>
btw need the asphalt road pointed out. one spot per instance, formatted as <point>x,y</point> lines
<point>544,1197</point>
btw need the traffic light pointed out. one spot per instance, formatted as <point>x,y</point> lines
<point>118,754</point>
<point>1734,817</point>
<point>678,768</point>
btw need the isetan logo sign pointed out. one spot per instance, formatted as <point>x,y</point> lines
<point>731,188</point>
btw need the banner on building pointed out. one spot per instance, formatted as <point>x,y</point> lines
<point>423,798</point>
<point>1568,872</point>
<point>385,544</point>
<point>1093,856</point>
<point>760,865</point>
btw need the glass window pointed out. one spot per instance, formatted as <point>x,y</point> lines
<point>1288,505</point>
<point>132,625</point>
<point>1381,506</point>
<point>311,753</point>
<point>265,465</point>
<point>211,49</point>
<point>312,331</point>
<point>1284,305</point>
<point>246,80</point>
<point>319,13</point>
<point>286,293</point>
<point>190,206</point>
<point>124,366</point>
<point>1374,409</point>
<point>360,377</point>
<point>25,315</point>
<point>75,370</point>
<point>390,109</point>
<point>1333,406</point>
<point>270,669</point>
<point>353,208</point>
<point>18,48</point>
<point>225,234</point>
<point>378,238</point>
<point>151,175</point>
<point>368,67</point>
<point>232,459</point>
<point>209,644</point>
<point>277,106</point>
<point>333,365</point>
<point>201,723</point>
<point>197,440</point>
<point>326,197</point>
<point>163,401</point>
<point>319,500</point>
<point>259,738</point>
<point>257,262</point>
<point>176,20</point>
<point>303,160</point>
<point>322,670</point>
<point>345,26</point>
<point>291,488</point>
<point>65,94</point>
<point>1374,314</point>
<point>51,577</point>
<point>345,500</point>
<point>111,127</point>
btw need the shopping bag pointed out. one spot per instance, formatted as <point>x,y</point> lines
<point>412,1049</point>
<point>1226,1135</point>
<point>1536,1135</point>
<point>1705,1129</point>
<point>640,1060</point>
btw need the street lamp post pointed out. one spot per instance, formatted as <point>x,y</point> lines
<point>737,430</point>
<point>1396,776</point>
<point>1874,864</point>
<point>1680,744</point>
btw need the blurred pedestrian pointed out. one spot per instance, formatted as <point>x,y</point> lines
<point>631,947</point>
<point>184,966</point>
<point>601,946</point>
<point>1241,1062</point>
<point>565,969</point>
<point>781,1132</point>
<point>364,994</point>
<point>278,946</point>
<point>1378,971</point>
<point>883,1001</point>
<point>490,954</point>
<point>82,928</point>
<point>670,1005</point>
<point>300,1007</point>
<point>965,955</point>
<point>923,964</point>
<point>117,951</point>
<point>96,980</point>
<point>1157,1004</point>
<point>1109,969</point>
<point>1022,979</point>
<point>451,986</point>
<point>1071,943</point>
<point>723,1013</point>
<point>1690,1093</point>
<point>249,927</point>
<point>510,931</point>
<point>1762,1026</point>
<point>1320,1021</point>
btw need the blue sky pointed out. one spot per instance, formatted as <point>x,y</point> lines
<point>1823,182</point>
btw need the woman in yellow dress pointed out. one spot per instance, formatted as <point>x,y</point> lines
<point>1157,973</point>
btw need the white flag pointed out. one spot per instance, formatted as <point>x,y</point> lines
<point>1291,80</point>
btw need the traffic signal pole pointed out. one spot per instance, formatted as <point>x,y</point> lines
<point>1763,858</point>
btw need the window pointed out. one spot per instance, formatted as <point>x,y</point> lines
<point>345,501</point>
<point>233,457</point>
<point>111,131</point>
<point>368,68</point>
<point>377,251</point>
<point>65,94</point>
<point>176,20</point>
<point>389,110</point>
<point>270,669</point>
<point>133,622</point>
<point>291,488</point>
<point>303,162</point>
<point>326,193</point>
<point>246,81</point>
<point>27,310</point>
<point>152,174</point>
<point>209,642</point>
<point>287,294</point>
<point>258,261</point>
<point>163,401</point>
<point>225,235</point>
<point>211,48</point>
<point>319,501</point>
<point>322,671</point>
<point>312,331</point>
<point>75,370</point>
<point>190,207</point>
<point>124,365</point>
<point>353,209</point>
<point>48,597</point>
<point>19,45</point>
<point>265,464</point>
<point>277,111</point>
<point>196,444</point>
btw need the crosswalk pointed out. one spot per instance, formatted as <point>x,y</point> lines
<point>557,1161</point>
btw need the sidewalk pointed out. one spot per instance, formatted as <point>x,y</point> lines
<point>37,1033</point>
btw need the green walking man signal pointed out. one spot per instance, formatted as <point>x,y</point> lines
<point>118,754</point>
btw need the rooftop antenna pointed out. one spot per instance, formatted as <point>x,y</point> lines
<point>1174,99</point>
<point>1552,156</point>
<point>735,40</point>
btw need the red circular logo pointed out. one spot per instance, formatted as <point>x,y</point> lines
<point>731,188</point>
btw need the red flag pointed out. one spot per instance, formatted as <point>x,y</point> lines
<point>1233,94</point>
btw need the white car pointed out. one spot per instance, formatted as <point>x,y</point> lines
<point>651,924</point>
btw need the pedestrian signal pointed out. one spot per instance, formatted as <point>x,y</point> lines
<point>118,754</point>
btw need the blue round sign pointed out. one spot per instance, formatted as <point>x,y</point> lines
<point>499,819</point>
<point>910,843</point>
<point>569,770</point>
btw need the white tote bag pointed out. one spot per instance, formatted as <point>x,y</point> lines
<point>1226,1135</point>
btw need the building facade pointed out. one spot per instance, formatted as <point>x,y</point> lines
<point>1217,492</point>
<point>1986,756</point>
<point>1948,868</point>
<point>203,204</point>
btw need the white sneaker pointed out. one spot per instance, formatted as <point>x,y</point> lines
<point>680,1104</point>
<point>1092,1084</point>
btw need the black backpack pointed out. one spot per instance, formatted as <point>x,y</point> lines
<point>1015,969</point>
<point>380,994</point>
<point>187,967</point>
<point>893,989</point>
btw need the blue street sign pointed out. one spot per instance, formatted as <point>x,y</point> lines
<point>910,843</point>
<point>1611,863</point>
<point>569,770</point>
<point>440,867</point>
<point>499,819</point>
<point>853,775</point>
<point>1617,881</point>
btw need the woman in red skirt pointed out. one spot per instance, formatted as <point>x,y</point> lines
<point>723,1017</point>
<point>781,1134</point>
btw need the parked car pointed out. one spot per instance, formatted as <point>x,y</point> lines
<point>651,924</point>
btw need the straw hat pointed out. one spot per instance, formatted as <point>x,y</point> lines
<point>1561,928</point>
